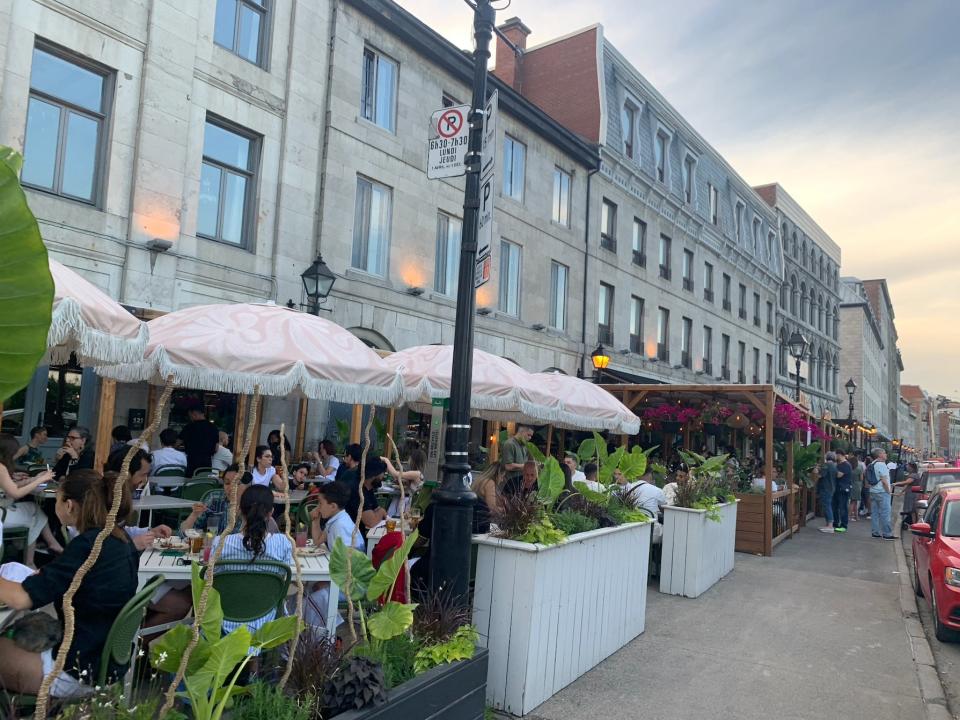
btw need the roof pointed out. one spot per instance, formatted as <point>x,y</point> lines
<point>793,210</point>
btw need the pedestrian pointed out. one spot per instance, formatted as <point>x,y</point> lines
<point>841,496</point>
<point>865,494</point>
<point>908,512</point>
<point>856,485</point>
<point>514,455</point>
<point>878,479</point>
<point>200,438</point>
<point>827,488</point>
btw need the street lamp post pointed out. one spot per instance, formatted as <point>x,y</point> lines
<point>318,281</point>
<point>798,346</point>
<point>851,387</point>
<point>453,514</point>
<point>600,361</point>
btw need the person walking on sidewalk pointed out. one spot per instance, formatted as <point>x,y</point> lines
<point>856,484</point>
<point>841,497</point>
<point>878,479</point>
<point>828,486</point>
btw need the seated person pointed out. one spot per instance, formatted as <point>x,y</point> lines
<point>570,460</point>
<point>21,511</point>
<point>372,514</point>
<point>331,500</point>
<point>168,455</point>
<point>325,460</point>
<point>74,454</point>
<point>83,501</point>
<point>30,453</point>
<point>487,486</point>
<point>643,493</point>
<point>591,481</point>
<point>212,512</point>
<point>298,476</point>
<point>263,472</point>
<point>222,456</point>
<point>139,485</point>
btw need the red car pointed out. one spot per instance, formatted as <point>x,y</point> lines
<point>936,560</point>
<point>932,477</point>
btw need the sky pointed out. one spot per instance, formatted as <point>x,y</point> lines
<point>851,105</point>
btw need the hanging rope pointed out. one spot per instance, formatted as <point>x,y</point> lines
<point>296,560</point>
<point>356,523</point>
<point>69,618</point>
<point>201,608</point>
<point>403,519</point>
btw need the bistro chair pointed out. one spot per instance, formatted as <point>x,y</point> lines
<point>303,512</point>
<point>170,471</point>
<point>13,542</point>
<point>248,591</point>
<point>197,490</point>
<point>205,472</point>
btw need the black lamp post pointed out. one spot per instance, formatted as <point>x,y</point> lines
<point>453,512</point>
<point>798,346</point>
<point>600,361</point>
<point>851,387</point>
<point>318,281</point>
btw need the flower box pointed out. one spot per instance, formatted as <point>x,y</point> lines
<point>697,551</point>
<point>547,615</point>
<point>670,426</point>
<point>454,691</point>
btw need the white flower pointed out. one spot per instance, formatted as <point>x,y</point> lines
<point>83,673</point>
<point>140,653</point>
<point>162,657</point>
<point>96,688</point>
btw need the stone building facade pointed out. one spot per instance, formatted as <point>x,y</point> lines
<point>923,407</point>
<point>864,356</point>
<point>684,261</point>
<point>878,295</point>
<point>809,302</point>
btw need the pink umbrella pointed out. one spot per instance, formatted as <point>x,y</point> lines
<point>501,389</point>
<point>235,348</point>
<point>90,323</point>
<point>588,406</point>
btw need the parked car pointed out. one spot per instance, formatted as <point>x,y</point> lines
<point>933,477</point>
<point>936,560</point>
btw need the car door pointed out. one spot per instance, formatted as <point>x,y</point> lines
<point>922,546</point>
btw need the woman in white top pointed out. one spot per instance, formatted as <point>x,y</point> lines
<point>412,479</point>
<point>22,514</point>
<point>263,471</point>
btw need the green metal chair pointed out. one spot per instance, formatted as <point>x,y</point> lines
<point>204,472</point>
<point>13,543</point>
<point>303,512</point>
<point>196,490</point>
<point>248,591</point>
<point>119,645</point>
<point>170,471</point>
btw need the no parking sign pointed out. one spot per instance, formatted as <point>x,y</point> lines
<point>447,147</point>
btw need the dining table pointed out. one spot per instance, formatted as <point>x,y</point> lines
<point>175,566</point>
<point>160,502</point>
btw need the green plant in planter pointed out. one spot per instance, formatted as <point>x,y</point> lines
<point>702,489</point>
<point>267,702</point>
<point>461,646</point>
<point>217,662</point>
<point>572,522</point>
<point>805,459</point>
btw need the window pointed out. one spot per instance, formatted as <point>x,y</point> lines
<point>514,158</point>
<point>628,126</point>
<point>687,270</point>
<point>756,309</point>
<point>510,278</point>
<point>448,254</point>
<point>738,216</point>
<point>66,112</point>
<point>714,204</point>
<point>725,356</point>
<point>371,227</point>
<point>449,100</point>
<point>608,226</point>
<point>769,369</point>
<point>771,244</point>
<point>636,324</point>
<point>639,242</point>
<point>561,197</point>
<point>241,27</point>
<point>756,235</point>
<point>689,178</point>
<point>665,255</point>
<point>726,292</point>
<point>708,282</point>
<point>663,334</point>
<point>378,94</point>
<point>605,314</point>
<point>660,156</point>
<point>558,295</point>
<point>742,312</point>
<point>770,317</point>
<point>742,362</point>
<point>708,349</point>
<point>756,366</point>
<point>227,184</point>
<point>686,337</point>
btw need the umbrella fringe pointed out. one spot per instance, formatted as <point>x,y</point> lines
<point>90,345</point>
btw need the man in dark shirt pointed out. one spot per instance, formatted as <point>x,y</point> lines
<point>350,467</point>
<point>372,512</point>
<point>827,488</point>
<point>75,453</point>
<point>841,494</point>
<point>200,438</point>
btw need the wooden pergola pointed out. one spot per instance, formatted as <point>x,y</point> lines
<point>755,517</point>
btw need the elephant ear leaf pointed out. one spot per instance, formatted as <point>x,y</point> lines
<point>26,286</point>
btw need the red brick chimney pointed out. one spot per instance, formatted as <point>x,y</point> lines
<point>507,63</point>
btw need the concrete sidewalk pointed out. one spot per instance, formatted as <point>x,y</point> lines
<point>816,632</point>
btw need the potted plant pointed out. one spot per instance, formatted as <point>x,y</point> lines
<point>714,415</point>
<point>667,415</point>
<point>699,529</point>
<point>787,420</point>
<point>524,589</point>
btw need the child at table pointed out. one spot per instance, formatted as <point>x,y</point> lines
<point>331,500</point>
<point>83,501</point>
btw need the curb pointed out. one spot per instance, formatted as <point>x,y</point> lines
<point>931,689</point>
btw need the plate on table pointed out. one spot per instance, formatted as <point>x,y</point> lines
<point>171,543</point>
<point>312,551</point>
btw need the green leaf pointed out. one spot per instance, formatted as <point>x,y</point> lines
<point>361,570</point>
<point>587,452</point>
<point>535,453</point>
<point>26,286</point>
<point>166,650</point>
<point>609,465</point>
<point>601,447</point>
<point>276,632</point>
<point>225,654</point>
<point>592,496</point>
<point>550,481</point>
<point>389,569</point>
<point>391,620</point>
<point>633,464</point>
<point>212,621</point>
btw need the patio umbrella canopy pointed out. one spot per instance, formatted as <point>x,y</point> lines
<point>88,322</point>
<point>588,406</point>
<point>236,347</point>
<point>501,389</point>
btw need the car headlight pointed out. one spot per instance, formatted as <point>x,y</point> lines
<point>952,576</point>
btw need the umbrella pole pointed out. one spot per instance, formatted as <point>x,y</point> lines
<point>108,403</point>
<point>549,438</point>
<point>301,429</point>
<point>254,438</point>
<point>238,425</point>
<point>356,420</point>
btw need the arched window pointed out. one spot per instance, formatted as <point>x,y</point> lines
<point>820,311</point>
<point>812,365</point>
<point>794,245</point>
<point>820,368</point>
<point>813,310</point>
<point>784,238</point>
<point>836,373</point>
<point>821,268</point>
<point>836,323</point>
<point>813,261</point>
<point>372,339</point>
<point>803,253</point>
<point>793,295</point>
<point>783,351</point>
<point>803,301</point>
<point>784,296</point>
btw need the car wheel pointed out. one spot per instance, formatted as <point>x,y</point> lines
<point>941,631</point>
<point>916,579</point>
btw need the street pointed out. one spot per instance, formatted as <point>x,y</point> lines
<point>814,632</point>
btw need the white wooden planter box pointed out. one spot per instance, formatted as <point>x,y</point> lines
<point>549,614</point>
<point>697,552</point>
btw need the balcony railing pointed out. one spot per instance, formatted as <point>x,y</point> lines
<point>688,284</point>
<point>636,344</point>
<point>742,313</point>
<point>663,352</point>
<point>608,243</point>
<point>639,258</point>
<point>726,305</point>
<point>708,295</point>
<point>665,272</point>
